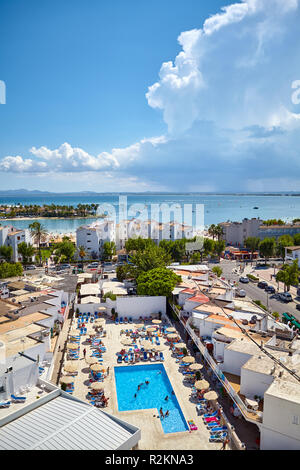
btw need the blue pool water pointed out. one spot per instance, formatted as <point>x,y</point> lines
<point>149,396</point>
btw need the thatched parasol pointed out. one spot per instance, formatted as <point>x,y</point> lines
<point>156,322</point>
<point>212,395</point>
<point>96,367</point>
<point>188,360</point>
<point>201,385</point>
<point>180,345</point>
<point>91,360</point>
<point>126,341</point>
<point>147,344</point>
<point>97,386</point>
<point>171,329</point>
<point>196,366</point>
<point>72,346</point>
<point>172,336</point>
<point>71,366</point>
<point>67,380</point>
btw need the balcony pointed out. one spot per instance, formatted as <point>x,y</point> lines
<point>231,384</point>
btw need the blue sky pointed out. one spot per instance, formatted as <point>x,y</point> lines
<point>149,95</point>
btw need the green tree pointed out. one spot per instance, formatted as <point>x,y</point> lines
<point>138,244</point>
<point>10,270</point>
<point>219,247</point>
<point>151,257</point>
<point>289,275</point>
<point>297,239</point>
<point>208,246</point>
<point>38,232</point>
<point>6,252</point>
<point>109,249</point>
<point>252,243</point>
<point>217,270</point>
<point>125,271</point>
<point>65,250</point>
<point>26,250</point>
<point>158,281</point>
<point>282,243</point>
<point>267,248</point>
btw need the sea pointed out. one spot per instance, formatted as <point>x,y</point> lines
<point>216,207</point>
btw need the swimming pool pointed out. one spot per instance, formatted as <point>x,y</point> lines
<point>149,396</point>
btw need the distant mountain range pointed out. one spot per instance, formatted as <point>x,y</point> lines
<point>36,192</point>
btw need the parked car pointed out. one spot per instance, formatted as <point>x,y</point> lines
<point>65,266</point>
<point>270,290</point>
<point>241,293</point>
<point>298,306</point>
<point>285,297</point>
<point>244,280</point>
<point>262,284</point>
<point>30,266</point>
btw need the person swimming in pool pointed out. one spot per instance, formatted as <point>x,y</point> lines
<point>139,387</point>
<point>147,382</point>
<point>167,398</point>
<point>135,395</point>
<point>161,413</point>
<point>167,413</point>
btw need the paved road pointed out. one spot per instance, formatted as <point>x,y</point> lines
<point>255,293</point>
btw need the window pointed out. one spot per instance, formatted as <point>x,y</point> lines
<point>295,420</point>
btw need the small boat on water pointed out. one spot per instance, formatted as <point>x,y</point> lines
<point>255,207</point>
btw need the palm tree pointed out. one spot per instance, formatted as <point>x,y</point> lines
<point>38,231</point>
<point>81,252</point>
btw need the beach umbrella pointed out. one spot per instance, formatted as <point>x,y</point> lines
<point>212,395</point>
<point>101,309</point>
<point>71,366</point>
<point>172,336</point>
<point>100,321</point>
<point>74,332</point>
<point>171,329</point>
<point>67,380</point>
<point>96,367</point>
<point>91,360</point>
<point>196,366</point>
<point>151,329</point>
<point>147,344</point>
<point>156,322</point>
<point>97,386</point>
<point>72,346</point>
<point>139,325</point>
<point>188,360</point>
<point>180,345</point>
<point>201,385</point>
<point>126,341</point>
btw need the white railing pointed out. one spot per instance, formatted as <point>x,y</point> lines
<point>235,397</point>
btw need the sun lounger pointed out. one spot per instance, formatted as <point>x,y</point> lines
<point>5,404</point>
<point>130,319</point>
<point>125,320</point>
<point>18,399</point>
<point>218,437</point>
<point>145,357</point>
<point>218,429</point>
<point>121,320</point>
<point>192,425</point>
<point>161,356</point>
<point>116,321</point>
<point>211,415</point>
<point>126,358</point>
<point>211,424</point>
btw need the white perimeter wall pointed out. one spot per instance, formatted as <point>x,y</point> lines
<point>135,307</point>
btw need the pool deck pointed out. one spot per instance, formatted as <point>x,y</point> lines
<point>152,435</point>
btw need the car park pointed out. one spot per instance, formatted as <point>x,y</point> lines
<point>262,284</point>
<point>244,280</point>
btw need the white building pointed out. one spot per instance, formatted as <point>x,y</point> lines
<point>292,253</point>
<point>235,233</point>
<point>10,236</point>
<point>92,237</point>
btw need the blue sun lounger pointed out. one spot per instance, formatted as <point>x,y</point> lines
<point>116,321</point>
<point>217,437</point>
<point>130,320</point>
<point>145,357</point>
<point>121,320</point>
<point>119,358</point>
<point>5,404</point>
<point>161,356</point>
<point>18,399</point>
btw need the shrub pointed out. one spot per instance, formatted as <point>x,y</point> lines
<point>10,270</point>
